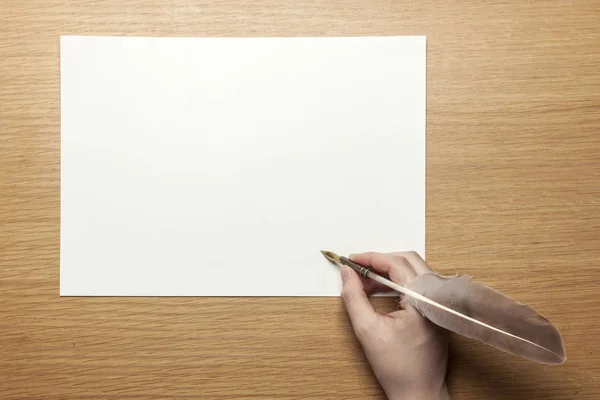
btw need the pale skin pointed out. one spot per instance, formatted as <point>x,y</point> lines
<point>408,354</point>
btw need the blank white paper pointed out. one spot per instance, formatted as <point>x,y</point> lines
<point>222,166</point>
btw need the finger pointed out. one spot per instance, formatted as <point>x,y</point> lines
<point>359,308</point>
<point>417,262</point>
<point>372,287</point>
<point>396,267</point>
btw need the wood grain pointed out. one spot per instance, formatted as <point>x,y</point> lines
<point>513,191</point>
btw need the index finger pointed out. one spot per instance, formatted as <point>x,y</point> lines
<point>415,260</point>
<point>397,267</point>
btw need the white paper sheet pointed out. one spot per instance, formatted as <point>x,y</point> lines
<point>222,166</point>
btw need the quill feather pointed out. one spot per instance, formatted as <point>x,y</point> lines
<point>476,311</point>
<point>479,312</point>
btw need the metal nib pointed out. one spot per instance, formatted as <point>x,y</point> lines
<point>331,256</point>
<point>334,258</point>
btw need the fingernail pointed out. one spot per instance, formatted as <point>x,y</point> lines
<point>345,271</point>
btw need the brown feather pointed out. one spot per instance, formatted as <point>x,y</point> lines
<point>533,336</point>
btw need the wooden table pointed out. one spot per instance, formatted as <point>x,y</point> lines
<point>513,192</point>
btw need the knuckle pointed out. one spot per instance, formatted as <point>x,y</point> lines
<point>402,260</point>
<point>400,270</point>
<point>416,257</point>
<point>381,259</point>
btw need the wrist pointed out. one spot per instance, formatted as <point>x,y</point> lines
<point>427,394</point>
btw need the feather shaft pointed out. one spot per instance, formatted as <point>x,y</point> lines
<point>476,311</point>
<point>424,299</point>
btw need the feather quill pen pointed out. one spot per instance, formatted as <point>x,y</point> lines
<point>476,311</point>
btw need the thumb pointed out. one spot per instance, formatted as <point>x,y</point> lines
<point>359,308</point>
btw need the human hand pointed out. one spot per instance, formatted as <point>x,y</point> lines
<point>408,353</point>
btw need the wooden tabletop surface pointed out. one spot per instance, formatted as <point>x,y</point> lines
<point>513,198</point>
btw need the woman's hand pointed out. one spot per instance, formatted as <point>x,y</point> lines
<point>408,354</point>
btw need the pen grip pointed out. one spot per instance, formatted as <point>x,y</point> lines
<point>362,271</point>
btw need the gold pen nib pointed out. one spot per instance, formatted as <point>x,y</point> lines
<point>334,258</point>
<point>331,256</point>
